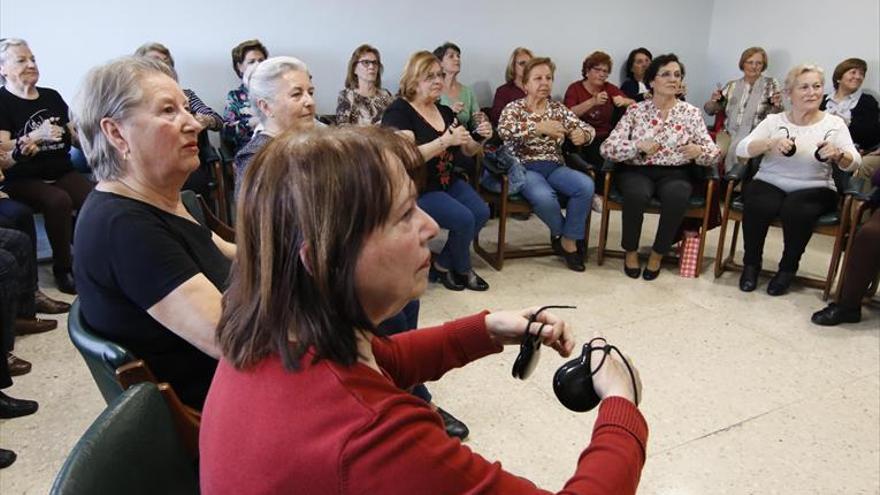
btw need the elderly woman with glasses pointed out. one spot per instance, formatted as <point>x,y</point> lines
<point>35,129</point>
<point>656,143</point>
<point>313,400</point>
<point>150,275</point>
<point>512,89</point>
<point>745,101</point>
<point>363,100</point>
<point>597,102</point>
<point>238,119</point>
<point>451,201</point>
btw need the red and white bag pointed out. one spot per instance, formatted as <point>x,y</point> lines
<point>688,251</point>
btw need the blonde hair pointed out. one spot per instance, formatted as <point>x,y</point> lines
<point>415,70</point>
<point>799,70</point>
<point>510,73</point>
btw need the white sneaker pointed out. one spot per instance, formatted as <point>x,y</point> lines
<point>597,204</point>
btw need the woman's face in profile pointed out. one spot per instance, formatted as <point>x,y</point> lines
<point>392,268</point>
<point>293,106</point>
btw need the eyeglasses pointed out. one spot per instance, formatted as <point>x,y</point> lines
<point>530,347</point>
<point>432,76</point>
<point>522,63</point>
<point>369,63</point>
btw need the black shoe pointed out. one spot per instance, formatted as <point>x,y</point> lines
<point>835,315</point>
<point>749,278</point>
<point>472,281</point>
<point>650,274</point>
<point>7,457</point>
<point>574,261</point>
<point>64,281</point>
<point>632,272</point>
<point>454,427</point>
<point>779,283</point>
<point>13,408</point>
<point>446,278</point>
<point>556,244</point>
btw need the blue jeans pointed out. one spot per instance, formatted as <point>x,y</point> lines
<point>462,212</point>
<point>544,181</point>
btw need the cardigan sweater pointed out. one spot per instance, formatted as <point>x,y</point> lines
<point>333,429</point>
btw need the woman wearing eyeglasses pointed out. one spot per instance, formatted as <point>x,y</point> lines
<point>513,89</point>
<point>363,100</point>
<point>450,201</point>
<point>655,144</point>
<point>597,102</point>
<point>745,101</point>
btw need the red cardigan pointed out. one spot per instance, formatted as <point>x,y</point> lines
<point>343,430</point>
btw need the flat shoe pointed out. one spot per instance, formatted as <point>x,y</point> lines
<point>17,366</point>
<point>748,280</point>
<point>650,274</point>
<point>49,306</point>
<point>7,457</point>
<point>834,315</point>
<point>29,326</point>
<point>446,278</point>
<point>780,283</point>
<point>454,427</point>
<point>472,281</point>
<point>14,408</point>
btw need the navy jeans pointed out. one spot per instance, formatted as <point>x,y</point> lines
<point>461,211</point>
<point>545,180</point>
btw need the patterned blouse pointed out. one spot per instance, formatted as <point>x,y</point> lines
<point>237,129</point>
<point>734,110</point>
<point>355,109</point>
<point>683,125</point>
<point>518,128</point>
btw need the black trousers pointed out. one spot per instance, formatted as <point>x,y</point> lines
<point>798,210</point>
<point>864,263</point>
<point>639,183</point>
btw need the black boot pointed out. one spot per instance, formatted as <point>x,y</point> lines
<point>64,280</point>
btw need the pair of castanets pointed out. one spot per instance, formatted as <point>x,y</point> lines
<point>573,381</point>
<point>791,151</point>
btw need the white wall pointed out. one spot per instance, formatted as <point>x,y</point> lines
<point>69,37</point>
<point>794,32</point>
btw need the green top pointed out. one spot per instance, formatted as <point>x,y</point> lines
<point>466,96</point>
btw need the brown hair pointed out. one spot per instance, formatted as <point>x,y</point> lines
<point>534,62</point>
<point>510,73</point>
<point>751,51</point>
<point>415,70</point>
<point>850,63</point>
<point>595,59</point>
<point>240,51</point>
<point>351,80</point>
<point>292,284</point>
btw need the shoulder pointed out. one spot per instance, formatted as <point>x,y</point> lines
<point>575,87</point>
<point>399,105</point>
<point>345,93</point>
<point>445,111</point>
<point>867,101</point>
<point>611,88</point>
<point>832,121</point>
<point>49,93</point>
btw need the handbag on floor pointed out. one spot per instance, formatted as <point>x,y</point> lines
<point>688,250</point>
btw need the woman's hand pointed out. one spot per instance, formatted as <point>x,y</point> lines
<point>484,129</point>
<point>829,152</point>
<point>508,327</point>
<point>781,145</point>
<point>48,131</point>
<point>716,96</point>
<point>457,136</point>
<point>776,99</point>
<point>600,98</point>
<point>612,379</point>
<point>647,146</point>
<point>551,128</point>
<point>578,136</point>
<point>457,107</point>
<point>690,151</point>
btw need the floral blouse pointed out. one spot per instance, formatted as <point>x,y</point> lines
<point>237,128</point>
<point>517,126</point>
<point>355,109</point>
<point>683,125</point>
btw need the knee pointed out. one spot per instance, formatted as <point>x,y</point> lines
<point>57,202</point>
<point>678,194</point>
<point>585,187</point>
<point>636,197</point>
<point>869,234</point>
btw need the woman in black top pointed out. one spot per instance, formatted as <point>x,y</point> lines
<point>34,126</point>
<point>636,64</point>
<point>452,202</point>
<point>150,276</point>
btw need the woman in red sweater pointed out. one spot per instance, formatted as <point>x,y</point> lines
<point>306,398</point>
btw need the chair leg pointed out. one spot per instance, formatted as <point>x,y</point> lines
<point>733,239</point>
<point>603,234</point>
<point>722,235</point>
<point>587,235</point>
<point>838,244</point>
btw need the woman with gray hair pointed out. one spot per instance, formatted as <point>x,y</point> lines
<point>34,127</point>
<point>282,98</point>
<point>149,275</point>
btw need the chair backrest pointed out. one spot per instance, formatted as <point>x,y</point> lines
<point>131,448</point>
<point>102,356</point>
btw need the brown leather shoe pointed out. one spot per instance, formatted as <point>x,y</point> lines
<point>47,305</point>
<point>27,326</point>
<point>17,366</point>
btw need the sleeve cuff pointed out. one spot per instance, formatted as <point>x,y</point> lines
<point>472,336</point>
<point>620,412</point>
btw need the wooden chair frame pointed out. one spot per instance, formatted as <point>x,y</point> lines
<point>703,213</point>
<point>837,231</point>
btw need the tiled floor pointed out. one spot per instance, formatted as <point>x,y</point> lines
<point>742,393</point>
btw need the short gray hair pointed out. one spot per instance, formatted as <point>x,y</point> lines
<point>799,70</point>
<point>5,45</point>
<point>110,91</point>
<point>154,46</point>
<point>262,80</point>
